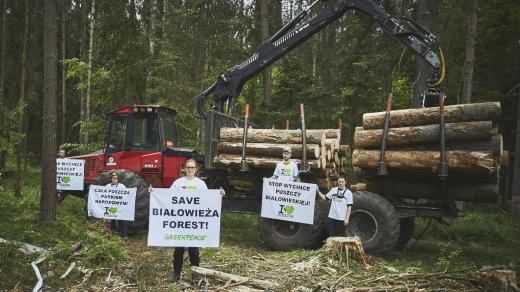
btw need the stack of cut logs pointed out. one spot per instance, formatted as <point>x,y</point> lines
<point>265,146</point>
<point>473,149</point>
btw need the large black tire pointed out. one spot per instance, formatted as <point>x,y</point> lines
<point>142,200</point>
<point>285,235</point>
<point>407,229</point>
<point>375,221</point>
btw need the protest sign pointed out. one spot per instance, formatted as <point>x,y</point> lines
<point>111,202</point>
<point>289,201</point>
<point>184,218</point>
<point>69,174</point>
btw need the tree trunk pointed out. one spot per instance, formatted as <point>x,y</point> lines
<point>495,145</point>
<point>421,189</point>
<point>461,163</point>
<point>268,149</point>
<point>3,68</point>
<point>235,161</point>
<point>467,74</point>
<point>426,116</point>
<point>89,70</point>
<point>83,55</point>
<point>455,132</point>
<point>50,52</point>
<point>63,76</point>
<point>425,16</point>
<point>151,52</point>
<point>21,103</point>
<point>276,136</point>
<point>264,19</point>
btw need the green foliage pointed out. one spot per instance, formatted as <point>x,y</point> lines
<point>447,258</point>
<point>402,91</point>
<point>9,133</point>
<point>97,246</point>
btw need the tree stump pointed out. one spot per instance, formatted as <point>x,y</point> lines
<point>351,245</point>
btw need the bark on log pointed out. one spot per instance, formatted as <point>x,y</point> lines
<point>495,145</point>
<point>235,161</point>
<point>461,163</point>
<point>422,174</point>
<point>241,183</point>
<point>204,272</point>
<point>276,136</point>
<point>455,132</point>
<point>331,144</point>
<point>424,189</point>
<point>344,151</point>
<point>426,116</point>
<point>268,149</point>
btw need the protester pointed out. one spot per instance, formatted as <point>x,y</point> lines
<point>61,195</point>
<point>189,182</point>
<point>340,207</point>
<point>286,169</point>
<point>117,225</point>
<point>61,153</point>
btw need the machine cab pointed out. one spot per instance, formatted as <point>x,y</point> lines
<point>138,138</point>
<point>141,128</point>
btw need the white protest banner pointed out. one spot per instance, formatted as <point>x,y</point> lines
<point>184,218</point>
<point>111,202</point>
<point>289,201</point>
<point>69,174</point>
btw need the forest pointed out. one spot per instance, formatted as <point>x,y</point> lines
<point>65,63</point>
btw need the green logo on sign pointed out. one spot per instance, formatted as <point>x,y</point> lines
<point>65,179</point>
<point>112,210</point>
<point>288,209</point>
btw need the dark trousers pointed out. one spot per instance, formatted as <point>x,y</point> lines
<point>336,227</point>
<point>178,255</point>
<point>119,226</point>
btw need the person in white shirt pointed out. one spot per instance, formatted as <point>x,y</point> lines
<point>189,182</point>
<point>117,225</point>
<point>286,169</point>
<point>340,207</point>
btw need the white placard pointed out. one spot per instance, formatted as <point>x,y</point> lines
<point>184,218</point>
<point>69,174</point>
<point>111,202</point>
<point>289,201</point>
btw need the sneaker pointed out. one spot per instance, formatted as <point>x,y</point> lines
<point>175,278</point>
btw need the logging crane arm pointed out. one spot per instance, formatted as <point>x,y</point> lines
<point>229,85</point>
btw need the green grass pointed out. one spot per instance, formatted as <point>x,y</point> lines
<point>20,224</point>
<point>485,236</point>
<point>240,229</point>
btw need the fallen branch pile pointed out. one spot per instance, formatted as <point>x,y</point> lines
<point>473,149</point>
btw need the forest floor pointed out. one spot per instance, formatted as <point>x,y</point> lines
<point>450,257</point>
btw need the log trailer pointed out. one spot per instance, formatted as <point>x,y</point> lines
<point>142,142</point>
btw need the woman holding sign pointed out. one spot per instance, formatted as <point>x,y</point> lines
<point>340,207</point>
<point>189,182</point>
<point>119,225</point>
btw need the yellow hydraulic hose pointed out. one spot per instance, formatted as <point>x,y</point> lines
<point>443,69</point>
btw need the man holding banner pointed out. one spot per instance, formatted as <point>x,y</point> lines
<point>340,207</point>
<point>186,215</point>
<point>286,169</point>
